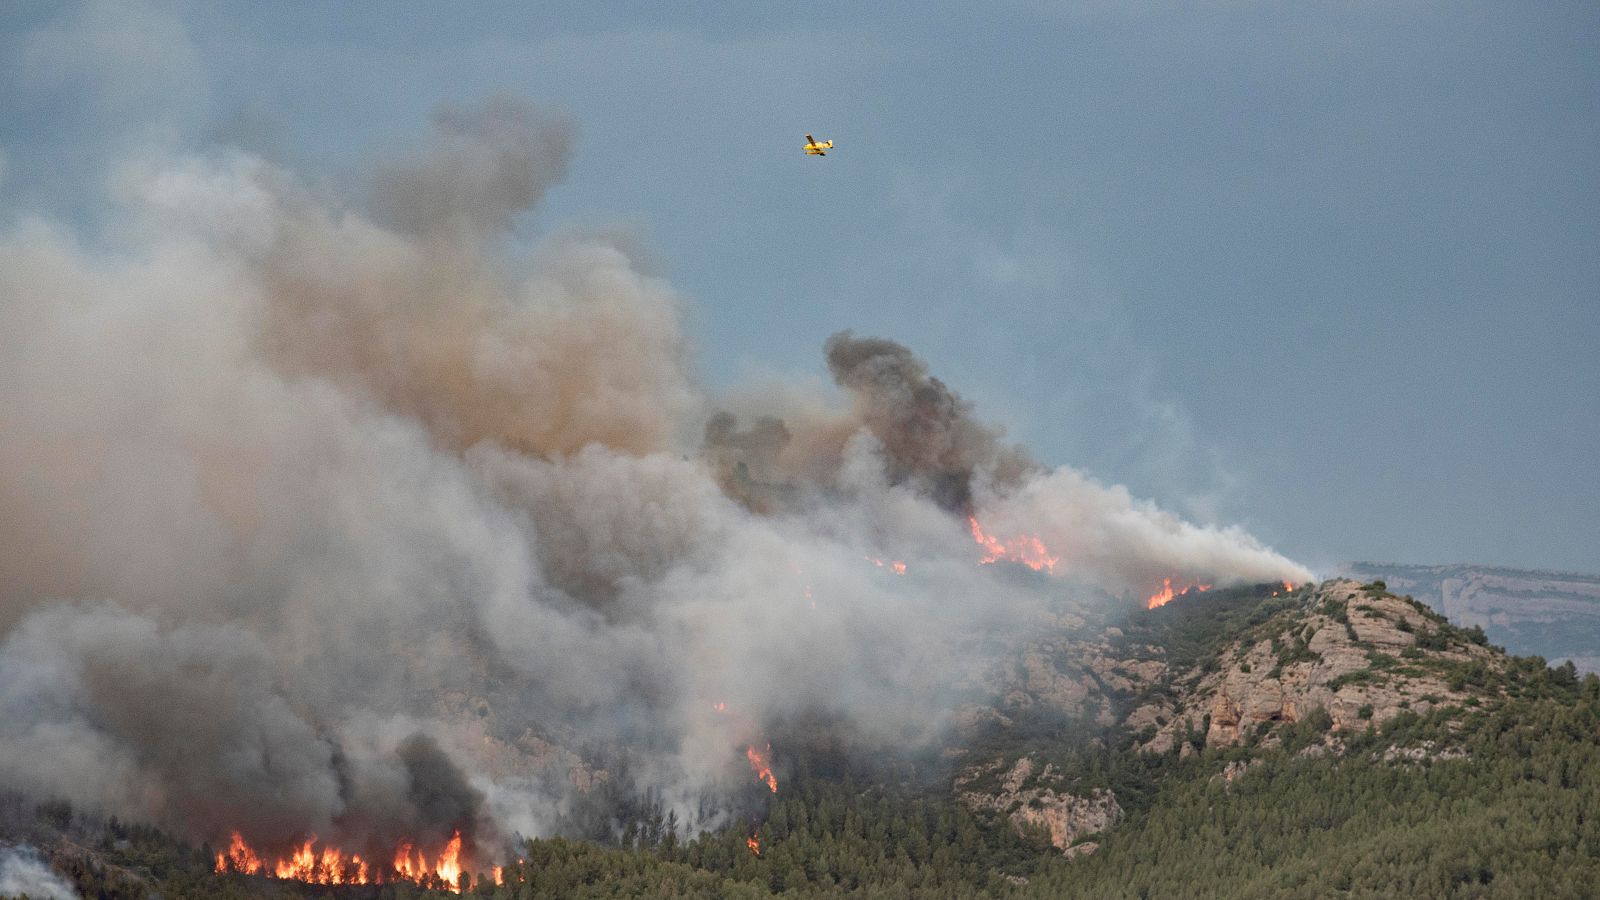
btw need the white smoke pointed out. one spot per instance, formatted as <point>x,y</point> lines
<point>24,874</point>
<point>370,521</point>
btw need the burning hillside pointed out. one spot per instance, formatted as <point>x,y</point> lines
<point>333,528</point>
<point>314,862</point>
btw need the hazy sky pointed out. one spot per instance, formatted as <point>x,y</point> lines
<point>1330,271</point>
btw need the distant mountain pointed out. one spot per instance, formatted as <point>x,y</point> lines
<point>1551,614</point>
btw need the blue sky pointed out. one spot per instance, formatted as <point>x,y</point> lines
<point>1326,270</point>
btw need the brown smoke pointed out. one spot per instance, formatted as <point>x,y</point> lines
<point>374,519</point>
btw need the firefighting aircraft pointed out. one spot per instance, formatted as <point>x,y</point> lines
<point>815,149</point>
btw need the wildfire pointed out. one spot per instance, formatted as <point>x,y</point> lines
<point>719,706</point>
<point>413,866</point>
<point>331,865</point>
<point>1166,594</point>
<point>1028,550</point>
<point>328,867</point>
<point>498,873</point>
<point>239,857</point>
<point>763,769</point>
<point>754,843</point>
<point>895,566</point>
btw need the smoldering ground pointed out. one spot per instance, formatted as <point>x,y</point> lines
<point>366,518</point>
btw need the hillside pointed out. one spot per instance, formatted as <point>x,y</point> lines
<point>1551,614</point>
<point>1336,740</point>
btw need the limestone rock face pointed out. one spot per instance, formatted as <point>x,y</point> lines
<point>1352,652</point>
<point>1355,652</point>
<point>1033,802</point>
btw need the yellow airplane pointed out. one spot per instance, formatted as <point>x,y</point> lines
<point>815,149</point>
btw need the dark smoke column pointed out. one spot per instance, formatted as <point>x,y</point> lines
<point>928,435</point>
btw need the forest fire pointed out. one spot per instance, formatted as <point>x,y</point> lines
<point>754,843</point>
<point>1028,550</point>
<point>895,566</point>
<point>763,768</point>
<point>1166,594</point>
<point>330,865</point>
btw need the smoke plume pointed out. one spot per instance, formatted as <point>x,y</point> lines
<point>24,874</point>
<point>374,520</point>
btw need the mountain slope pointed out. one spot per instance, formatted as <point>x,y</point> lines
<point>1336,740</point>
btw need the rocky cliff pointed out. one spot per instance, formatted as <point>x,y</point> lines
<point>1227,669</point>
<point>1359,654</point>
<point>1032,796</point>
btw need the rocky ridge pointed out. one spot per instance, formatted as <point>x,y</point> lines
<point>1352,655</point>
<point>1359,653</point>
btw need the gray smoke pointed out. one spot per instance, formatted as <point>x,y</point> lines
<point>927,431</point>
<point>24,874</point>
<point>926,436</point>
<point>481,168</point>
<point>376,522</point>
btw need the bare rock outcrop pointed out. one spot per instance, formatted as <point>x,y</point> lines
<point>1358,653</point>
<point>1033,803</point>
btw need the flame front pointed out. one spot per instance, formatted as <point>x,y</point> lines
<point>449,865</point>
<point>330,865</point>
<point>758,762</point>
<point>1166,594</point>
<point>754,843</point>
<point>239,858</point>
<point>1028,550</point>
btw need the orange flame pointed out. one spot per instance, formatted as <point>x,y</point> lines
<point>330,865</point>
<point>895,566</point>
<point>754,843</point>
<point>758,761</point>
<point>1028,550</point>
<point>449,866</point>
<point>240,858</point>
<point>720,706</point>
<point>500,872</point>
<point>1166,594</point>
